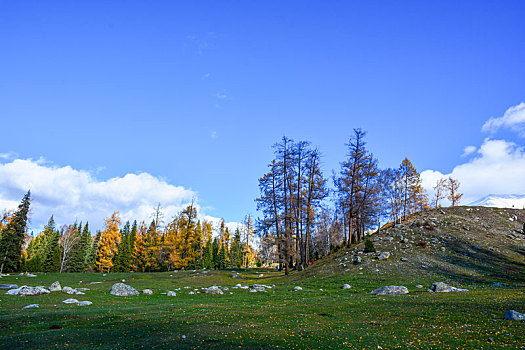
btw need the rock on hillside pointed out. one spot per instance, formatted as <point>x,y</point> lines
<point>476,244</point>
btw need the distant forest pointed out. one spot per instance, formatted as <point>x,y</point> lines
<point>302,219</point>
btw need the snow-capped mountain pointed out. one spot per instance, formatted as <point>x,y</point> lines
<point>516,201</point>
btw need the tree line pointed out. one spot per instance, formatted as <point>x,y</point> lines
<point>184,243</point>
<point>303,219</point>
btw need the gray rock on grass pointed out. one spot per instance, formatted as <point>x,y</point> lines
<point>84,303</point>
<point>383,256</point>
<point>8,286</point>
<point>213,290</point>
<point>31,306</point>
<point>442,287</point>
<point>147,292</point>
<point>171,293</point>
<point>123,290</point>
<point>514,316</point>
<point>26,291</point>
<point>390,290</point>
<point>70,301</point>
<point>297,288</point>
<point>55,287</point>
<point>346,286</point>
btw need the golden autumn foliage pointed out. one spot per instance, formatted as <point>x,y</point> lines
<point>108,245</point>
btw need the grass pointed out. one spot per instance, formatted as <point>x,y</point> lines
<point>322,316</point>
<point>466,247</point>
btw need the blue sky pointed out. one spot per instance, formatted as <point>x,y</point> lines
<point>195,93</point>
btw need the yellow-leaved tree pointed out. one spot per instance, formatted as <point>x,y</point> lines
<point>138,259</point>
<point>108,245</point>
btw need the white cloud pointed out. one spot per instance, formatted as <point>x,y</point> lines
<point>513,118</point>
<point>222,95</point>
<point>213,134</point>
<point>8,155</point>
<point>498,167</point>
<point>71,194</point>
<point>468,151</point>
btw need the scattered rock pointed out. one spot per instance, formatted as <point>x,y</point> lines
<point>31,291</point>
<point>69,290</point>
<point>29,274</point>
<point>70,301</point>
<point>123,290</point>
<point>147,291</point>
<point>84,303</point>
<point>171,293</point>
<point>390,290</point>
<point>346,286</point>
<point>514,316</point>
<point>55,287</point>
<point>404,259</point>
<point>32,306</point>
<point>8,286</point>
<point>388,239</point>
<point>258,288</point>
<point>404,240</point>
<point>297,288</point>
<point>213,290</point>
<point>383,256</point>
<point>357,260</point>
<point>419,286</point>
<point>235,276</point>
<point>442,287</point>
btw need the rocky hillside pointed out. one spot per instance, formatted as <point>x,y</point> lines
<point>469,244</point>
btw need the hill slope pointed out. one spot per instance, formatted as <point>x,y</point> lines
<point>465,244</point>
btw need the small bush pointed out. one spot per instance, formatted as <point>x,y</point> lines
<point>369,246</point>
<point>422,244</point>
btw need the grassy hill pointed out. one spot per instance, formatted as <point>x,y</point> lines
<point>474,248</point>
<point>465,244</point>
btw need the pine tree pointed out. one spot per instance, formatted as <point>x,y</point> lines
<point>12,237</point>
<point>52,253</point>
<point>221,259</point>
<point>91,263</point>
<point>108,246</point>
<point>215,251</point>
<point>236,256</point>
<point>122,261</point>
<point>79,256</point>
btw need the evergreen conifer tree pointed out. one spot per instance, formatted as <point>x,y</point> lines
<point>12,237</point>
<point>52,254</point>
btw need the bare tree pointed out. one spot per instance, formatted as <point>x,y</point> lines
<point>439,192</point>
<point>452,185</point>
<point>69,237</point>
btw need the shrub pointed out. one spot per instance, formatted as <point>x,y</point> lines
<point>369,246</point>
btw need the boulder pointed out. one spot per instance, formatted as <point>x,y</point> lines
<point>258,288</point>
<point>30,275</point>
<point>84,303</point>
<point>442,287</point>
<point>147,291</point>
<point>213,290</point>
<point>14,291</point>
<point>297,288</point>
<point>69,290</point>
<point>514,316</point>
<point>390,290</point>
<point>383,256</point>
<point>235,276</point>
<point>171,293</point>
<point>346,286</point>
<point>357,260</point>
<point>32,306</point>
<point>404,259</point>
<point>55,287</point>
<point>70,301</point>
<point>8,286</point>
<point>31,291</point>
<point>123,290</point>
